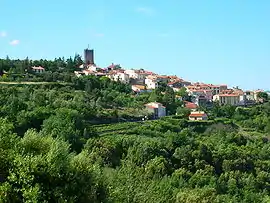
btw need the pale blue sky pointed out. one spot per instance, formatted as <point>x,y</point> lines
<point>213,41</point>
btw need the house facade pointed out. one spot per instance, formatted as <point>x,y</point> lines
<point>249,95</point>
<point>136,74</point>
<point>227,99</point>
<point>156,109</point>
<point>246,100</point>
<point>217,89</point>
<point>122,77</point>
<point>151,82</point>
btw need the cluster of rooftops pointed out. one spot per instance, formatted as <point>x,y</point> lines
<point>142,80</point>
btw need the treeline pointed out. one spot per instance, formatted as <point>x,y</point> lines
<point>59,69</point>
<point>58,64</point>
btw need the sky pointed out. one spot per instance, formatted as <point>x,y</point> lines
<point>211,41</point>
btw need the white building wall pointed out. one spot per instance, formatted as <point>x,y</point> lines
<point>150,83</point>
<point>122,77</point>
<point>131,74</point>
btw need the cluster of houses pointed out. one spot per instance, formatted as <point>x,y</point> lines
<point>158,110</point>
<point>201,94</point>
<point>204,94</point>
<point>142,81</point>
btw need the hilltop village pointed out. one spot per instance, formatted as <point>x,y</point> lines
<point>165,106</point>
<point>146,81</point>
<point>202,94</point>
<point>195,96</point>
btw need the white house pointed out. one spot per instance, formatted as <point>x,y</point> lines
<point>38,69</point>
<point>157,109</point>
<point>119,76</point>
<point>132,73</point>
<point>197,115</point>
<point>249,95</point>
<point>151,82</point>
<point>137,74</point>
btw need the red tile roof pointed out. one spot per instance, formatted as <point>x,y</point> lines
<point>38,68</point>
<point>228,95</point>
<point>197,115</point>
<point>191,105</point>
<point>148,72</point>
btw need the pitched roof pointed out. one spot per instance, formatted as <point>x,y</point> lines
<point>38,68</point>
<point>197,114</point>
<point>228,95</point>
<point>151,105</point>
<point>191,105</point>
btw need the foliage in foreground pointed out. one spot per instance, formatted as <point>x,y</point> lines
<point>50,152</point>
<point>143,165</point>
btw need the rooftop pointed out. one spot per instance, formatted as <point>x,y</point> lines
<point>38,68</point>
<point>197,114</point>
<point>152,105</point>
<point>191,105</point>
<point>228,95</point>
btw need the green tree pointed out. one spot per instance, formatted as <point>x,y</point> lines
<point>183,112</point>
<point>263,95</point>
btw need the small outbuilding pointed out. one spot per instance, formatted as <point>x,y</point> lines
<point>198,116</point>
<point>38,69</point>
